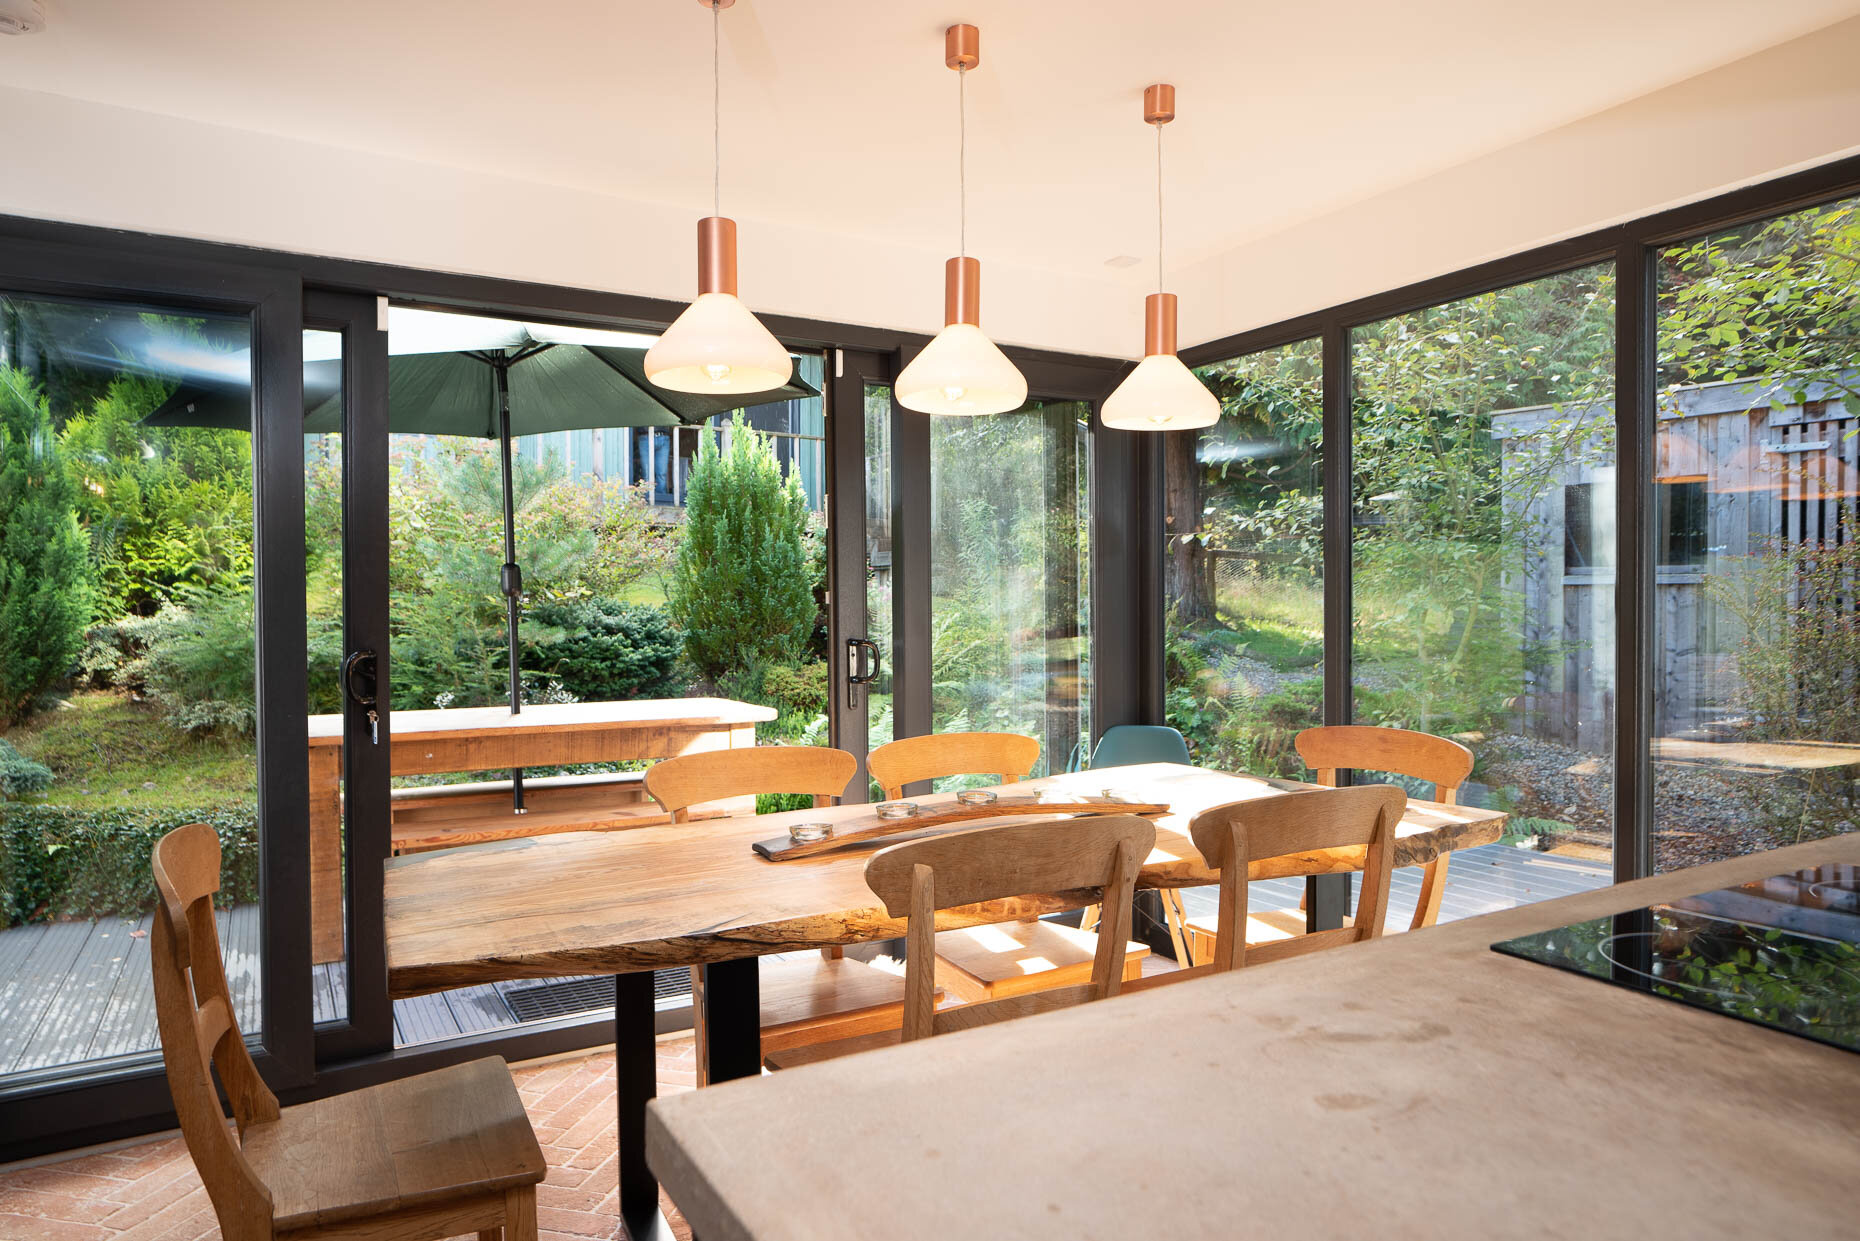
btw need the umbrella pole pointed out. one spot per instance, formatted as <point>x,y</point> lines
<point>510,579</point>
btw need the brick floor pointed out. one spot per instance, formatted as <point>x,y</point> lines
<point>150,1192</point>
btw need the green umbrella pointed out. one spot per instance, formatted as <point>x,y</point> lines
<point>488,379</point>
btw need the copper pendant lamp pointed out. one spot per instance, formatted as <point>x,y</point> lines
<point>1161,394</point>
<point>717,345</point>
<point>961,372</point>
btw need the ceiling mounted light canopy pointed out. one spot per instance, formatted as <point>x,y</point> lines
<point>1161,394</point>
<point>961,372</point>
<point>717,345</point>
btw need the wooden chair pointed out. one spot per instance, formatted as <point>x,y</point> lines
<point>1008,757</point>
<point>991,962</point>
<point>1422,756</point>
<point>919,877</point>
<point>1232,836</point>
<point>436,1155</point>
<point>803,1000</point>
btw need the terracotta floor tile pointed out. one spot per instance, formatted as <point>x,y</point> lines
<point>150,1191</point>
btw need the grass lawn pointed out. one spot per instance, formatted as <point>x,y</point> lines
<point>107,752</point>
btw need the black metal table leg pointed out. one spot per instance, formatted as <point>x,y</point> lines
<point>732,1019</point>
<point>635,1083</point>
<point>1327,901</point>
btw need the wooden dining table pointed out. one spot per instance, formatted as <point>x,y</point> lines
<point>633,901</point>
<point>496,739</point>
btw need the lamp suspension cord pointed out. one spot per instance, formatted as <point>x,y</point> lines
<point>716,116</point>
<point>1159,210</point>
<point>962,162</point>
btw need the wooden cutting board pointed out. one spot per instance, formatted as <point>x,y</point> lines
<point>867,827</point>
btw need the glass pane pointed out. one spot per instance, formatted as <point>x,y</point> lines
<point>603,515</point>
<point>1009,619</point>
<point>878,614</point>
<point>1244,520</point>
<point>1483,587</point>
<point>127,696</point>
<point>323,396</point>
<point>1756,689</point>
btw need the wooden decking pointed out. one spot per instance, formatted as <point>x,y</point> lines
<point>80,991</point>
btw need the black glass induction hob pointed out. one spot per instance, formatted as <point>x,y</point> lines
<point>1783,952</point>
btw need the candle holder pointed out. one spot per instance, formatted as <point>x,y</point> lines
<point>808,833</point>
<point>1128,797</point>
<point>977,797</point>
<point>897,809</point>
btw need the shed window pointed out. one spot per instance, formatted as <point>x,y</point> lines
<point>1681,522</point>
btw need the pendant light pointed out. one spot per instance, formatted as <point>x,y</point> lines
<point>1161,394</point>
<point>961,371</point>
<point>716,345</point>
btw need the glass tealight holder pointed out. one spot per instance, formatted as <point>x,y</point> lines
<point>808,833</point>
<point>896,809</point>
<point>1127,797</point>
<point>977,797</point>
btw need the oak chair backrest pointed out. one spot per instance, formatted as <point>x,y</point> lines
<point>1091,860</point>
<point>199,1032</point>
<point>1443,763</point>
<point>1006,756</point>
<point>678,784</point>
<point>1231,837</point>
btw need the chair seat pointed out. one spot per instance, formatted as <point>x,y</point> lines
<point>831,1049</point>
<point>1013,958</point>
<point>1266,927</point>
<point>414,1142</point>
<point>804,995</point>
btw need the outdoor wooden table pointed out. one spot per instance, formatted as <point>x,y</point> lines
<point>1384,1084</point>
<point>493,739</point>
<point>650,898</point>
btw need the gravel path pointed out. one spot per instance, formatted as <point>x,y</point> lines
<point>1702,813</point>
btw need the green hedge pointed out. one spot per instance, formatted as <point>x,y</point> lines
<point>60,862</point>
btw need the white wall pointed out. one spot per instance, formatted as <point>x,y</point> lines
<point>90,163</point>
<point>1791,107</point>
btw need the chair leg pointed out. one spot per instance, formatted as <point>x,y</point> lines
<point>1090,917</point>
<point>490,1234</point>
<point>1433,886</point>
<point>699,1034</point>
<point>1175,916</point>
<point>519,1214</point>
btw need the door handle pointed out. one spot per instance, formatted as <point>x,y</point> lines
<point>360,667</point>
<point>863,663</point>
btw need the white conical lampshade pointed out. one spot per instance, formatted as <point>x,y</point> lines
<point>961,372</point>
<point>1161,395</point>
<point>716,345</point>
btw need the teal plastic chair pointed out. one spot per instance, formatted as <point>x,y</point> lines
<point>1126,745</point>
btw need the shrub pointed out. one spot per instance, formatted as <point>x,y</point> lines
<point>58,862</point>
<point>19,775</point>
<point>199,659</point>
<point>743,590</point>
<point>45,582</point>
<point>602,650</point>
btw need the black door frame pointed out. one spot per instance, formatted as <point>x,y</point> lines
<point>87,1107</point>
<point>850,373</point>
<point>368,1027</point>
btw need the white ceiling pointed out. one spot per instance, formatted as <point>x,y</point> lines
<point>839,114</point>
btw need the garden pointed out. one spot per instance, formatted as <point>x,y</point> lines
<point>127,697</point>
<point>1457,525</point>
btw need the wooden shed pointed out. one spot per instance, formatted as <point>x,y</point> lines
<point>1739,469</point>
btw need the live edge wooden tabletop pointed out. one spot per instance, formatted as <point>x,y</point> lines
<point>1415,1086</point>
<point>687,894</point>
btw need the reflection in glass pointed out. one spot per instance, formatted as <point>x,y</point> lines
<point>1756,478</point>
<point>1244,521</point>
<point>1482,560</point>
<point>127,694</point>
<point>1009,562</point>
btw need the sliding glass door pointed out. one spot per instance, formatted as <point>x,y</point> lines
<point>151,466</point>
